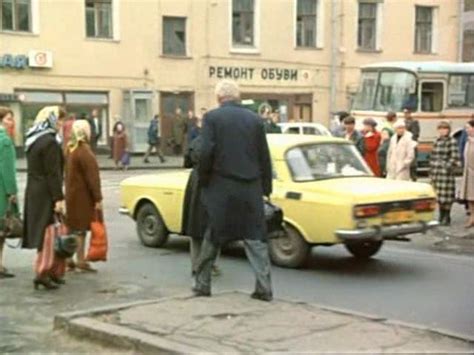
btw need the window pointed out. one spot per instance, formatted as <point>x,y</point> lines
<point>306,23</point>
<point>99,18</point>
<point>461,91</point>
<point>325,161</point>
<point>468,5</point>
<point>15,15</point>
<point>468,46</point>
<point>424,29</point>
<point>174,36</point>
<point>367,26</point>
<point>365,96</point>
<point>243,24</point>
<point>395,91</point>
<point>432,97</point>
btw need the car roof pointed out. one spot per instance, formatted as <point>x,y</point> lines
<point>280,143</point>
<point>425,67</point>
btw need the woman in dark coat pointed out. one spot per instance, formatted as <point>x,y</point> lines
<point>44,195</point>
<point>444,159</point>
<point>83,193</point>
<point>8,185</point>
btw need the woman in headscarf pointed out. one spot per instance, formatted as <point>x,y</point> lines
<point>83,192</point>
<point>443,161</point>
<point>8,187</point>
<point>120,146</point>
<point>372,140</point>
<point>44,195</point>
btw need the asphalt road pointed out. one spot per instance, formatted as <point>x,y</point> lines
<point>408,284</point>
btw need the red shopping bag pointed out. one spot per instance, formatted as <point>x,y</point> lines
<point>47,262</point>
<point>98,245</point>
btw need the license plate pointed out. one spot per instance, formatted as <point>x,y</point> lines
<point>398,217</point>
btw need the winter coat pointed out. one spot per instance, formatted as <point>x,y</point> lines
<point>82,187</point>
<point>444,159</point>
<point>235,172</point>
<point>179,130</point>
<point>120,145</point>
<point>356,138</point>
<point>153,132</point>
<point>194,216</point>
<point>400,155</point>
<point>467,182</point>
<point>413,126</point>
<point>8,185</point>
<point>371,147</point>
<point>43,188</point>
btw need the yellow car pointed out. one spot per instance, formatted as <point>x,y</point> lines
<point>327,193</point>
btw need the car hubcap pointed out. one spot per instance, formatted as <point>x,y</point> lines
<point>150,225</point>
<point>285,244</point>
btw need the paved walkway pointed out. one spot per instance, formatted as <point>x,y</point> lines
<point>105,163</point>
<point>234,323</point>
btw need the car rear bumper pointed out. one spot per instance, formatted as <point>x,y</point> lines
<point>124,211</point>
<point>396,232</point>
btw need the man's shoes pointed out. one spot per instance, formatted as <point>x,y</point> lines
<point>5,274</point>
<point>199,293</point>
<point>262,296</point>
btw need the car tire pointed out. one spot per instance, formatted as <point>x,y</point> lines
<point>290,249</point>
<point>151,228</point>
<point>364,250</point>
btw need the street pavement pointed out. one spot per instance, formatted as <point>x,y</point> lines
<point>411,282</point>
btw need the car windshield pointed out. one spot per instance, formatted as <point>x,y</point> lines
<point>325,161</point>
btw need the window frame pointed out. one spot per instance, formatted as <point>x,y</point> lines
<point>376,22</point>
<point>432,46</point>
<point>15,19</point>
<point>316,28</point>
<point>186,49</point>
<point>468,94</point>
<point>245,49</point>
<point>113,20</point>
<point>444,84</point>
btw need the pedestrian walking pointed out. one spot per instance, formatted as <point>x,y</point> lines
<point>351,134</point>
<point>270,121</point>
<point>412,126</point>
<point>386,133</point>
<point>44,195</point>
<point>83,190</point>
<point>444,160</point>
<point>114,130</point>
<point>401,153</point>
<point>154,140</point>
<point>8,185</point>
<point>120,153</point>
<point>372,140</point>
<point>191,125</point>
<point>179,132</point>
<point>338,124</point>
<point>467,183</point>
<point>96,129</point>
<point>235,173</point>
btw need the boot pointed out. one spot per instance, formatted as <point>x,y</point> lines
<point>447,217</point>
<point>441,216</point>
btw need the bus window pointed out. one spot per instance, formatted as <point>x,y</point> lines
<point>394,90</point>
<point>432,97</point>
<point>461,91</point>
<point>364,99</point>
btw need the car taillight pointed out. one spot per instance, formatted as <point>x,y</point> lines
<point>366,211</point>
<point>424,205</point>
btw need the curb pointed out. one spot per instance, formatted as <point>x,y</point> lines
<point>78,324</point>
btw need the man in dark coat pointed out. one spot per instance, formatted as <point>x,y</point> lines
<point>412,126</point>
<point>235,173</point>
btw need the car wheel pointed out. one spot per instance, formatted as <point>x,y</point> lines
<point>290,249</point>
<point>364,250</point>
<point>150,227</point>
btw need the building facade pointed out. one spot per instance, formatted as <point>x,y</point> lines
<point>131,59</point>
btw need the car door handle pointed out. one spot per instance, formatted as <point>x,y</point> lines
<point>291,195</point>
<point>168,193</point>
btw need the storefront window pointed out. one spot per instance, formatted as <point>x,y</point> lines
<point>86,98</point>
<point>41,96</point>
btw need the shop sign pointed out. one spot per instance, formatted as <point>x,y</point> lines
<point>34,59</point>
<point>249,73</point>
<point>9,97</point>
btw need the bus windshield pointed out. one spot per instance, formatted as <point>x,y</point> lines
<point>386,91</point>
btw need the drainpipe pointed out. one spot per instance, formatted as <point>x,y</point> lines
<point>460,30</point>
<point>334,60</point>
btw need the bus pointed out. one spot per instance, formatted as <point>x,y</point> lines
<point>433,91</point>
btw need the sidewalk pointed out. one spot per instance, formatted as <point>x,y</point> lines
<point>231,322</point>
<point>105,163</point>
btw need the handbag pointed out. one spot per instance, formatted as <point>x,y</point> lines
<point>273,219</point>
<point>98,245</point>
<point>125,160</point>
<point>11,223</point>
<point>48,261</point>
<point>65,244</point>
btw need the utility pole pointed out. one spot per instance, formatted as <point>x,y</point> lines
<point>334,58</point>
